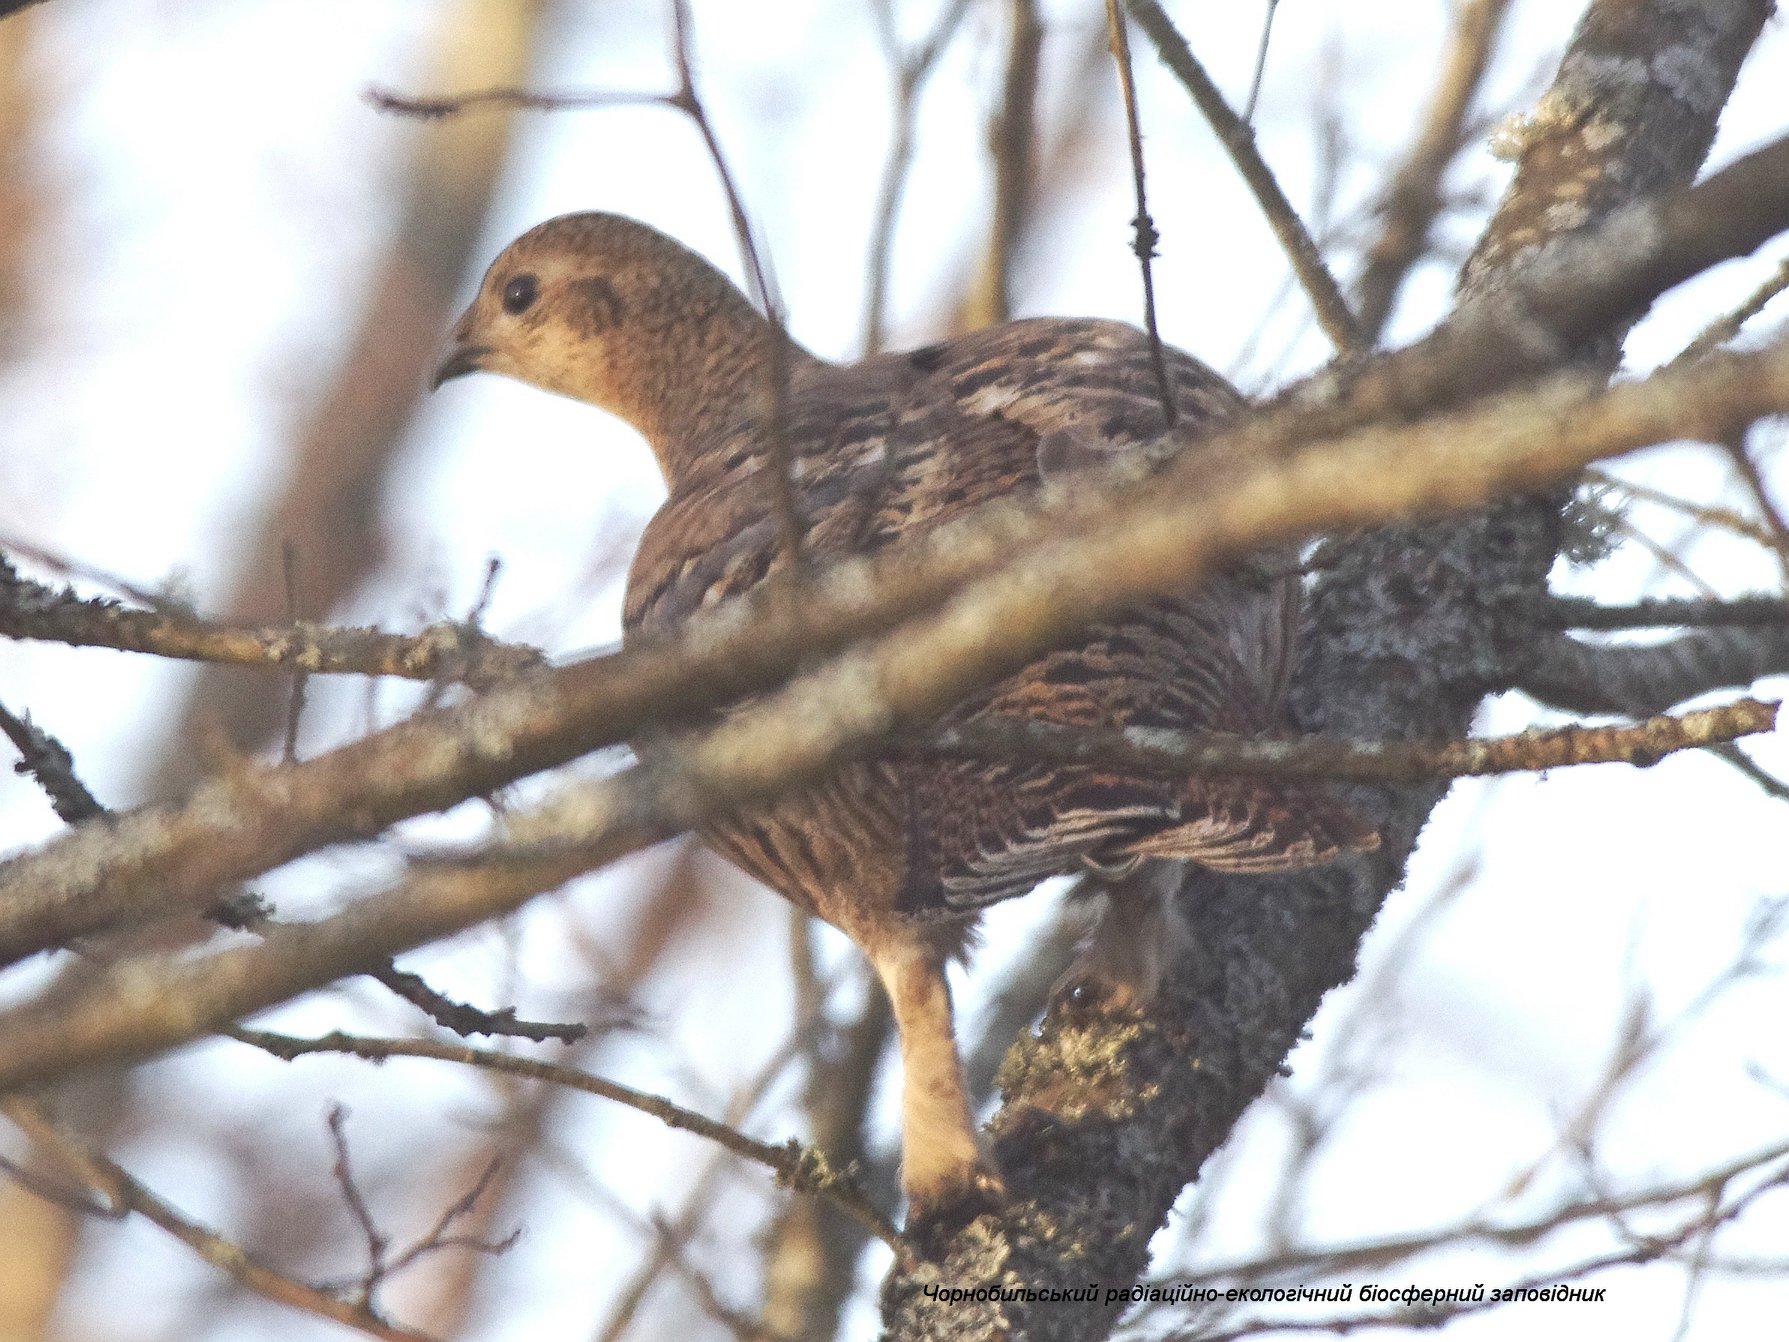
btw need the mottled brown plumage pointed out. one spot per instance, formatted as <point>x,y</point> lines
<point>899,851</point>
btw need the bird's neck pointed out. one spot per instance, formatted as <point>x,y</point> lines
<point>715,369</point>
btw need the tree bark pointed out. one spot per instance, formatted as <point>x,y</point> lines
<point>1408,629</point>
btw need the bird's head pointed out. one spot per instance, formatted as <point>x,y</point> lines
<point>607,310</point>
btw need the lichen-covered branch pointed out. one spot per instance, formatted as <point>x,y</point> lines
<point>449,652</point>
<point>1665,613</point>
<point>1177,754</point>
<point>1409,627</point>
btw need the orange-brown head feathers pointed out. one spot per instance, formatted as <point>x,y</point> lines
<point>607,310</point>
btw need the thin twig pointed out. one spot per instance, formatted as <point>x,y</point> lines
<point>1144,235</point>
<point>1238,139</point>
<point>1012,151</point>
<point>436,1237</point>
<point>698,1199</point>
<point>911,72</point>
<point>376,1241</point>
<point>1249,104</point>
<point>1725,327</point>
<point>51,764</point>
<point>779,478</point>
<point>382,1264</point>
<point>48,761</point>
<point>795,1166</point>
<point>295,615</point>
<point>1665,553</point>
<point>1413,200</point>
<point>464,1019</point>
<point>126,1194</point>
<point>1767,505</point>
<point>1709,514</point>
<point>1177,754</point>
<point>671,1246</point>
<point>1646,1249</point>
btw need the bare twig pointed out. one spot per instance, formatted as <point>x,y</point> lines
<point>382,1265</point>
<point>1144,235</point>
<point>698,1199</point>
<point>1254,98</point>
<point>1709,514</point>
<point>464,1019</point>
<point>735,1321</point>
<point>1012,150</point>
<point>1239,140</point>
<point>125,1194</point>
<point>1725,327</point>
<point>911,71</point>
<point>1767,505</point>
<point>1715,1213</point>
<point>295,615</point>
<point>776,440</point>
<point>1412,200</point>
<point>437,1236</point>
<point>47,760</point>
<point>51,764</point>
<point>376,1242</point>
<point>1371,1255</point>
<point>797,1167</point>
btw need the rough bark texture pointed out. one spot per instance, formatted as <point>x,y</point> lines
<point>1408,630</point>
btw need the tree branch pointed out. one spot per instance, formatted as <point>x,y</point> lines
<point>1159,541</point>
<point>446,652</point>
<point>1564,612</point>
<point>1585,677</point>
<point>1238,139</point>
<point>799,1167</point>
<point>254,818</point>
<point>1413,200</point>
<point>125,1195</point>
<point>1178,754</point>
<point>1407,628</point>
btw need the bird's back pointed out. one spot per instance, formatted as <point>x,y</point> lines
<point>900,443</point>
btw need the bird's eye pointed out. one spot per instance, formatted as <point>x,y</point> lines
<point>519,294</point>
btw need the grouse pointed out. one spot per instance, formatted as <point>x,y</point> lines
<point>900,850</point>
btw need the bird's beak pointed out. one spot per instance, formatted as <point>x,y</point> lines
<point>461,359</point>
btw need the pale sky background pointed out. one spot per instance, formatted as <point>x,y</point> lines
<point>225,187</point>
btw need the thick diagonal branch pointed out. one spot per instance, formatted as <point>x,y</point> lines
<point>1156,540</point>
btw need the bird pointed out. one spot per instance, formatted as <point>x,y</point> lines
<point>901,850</point>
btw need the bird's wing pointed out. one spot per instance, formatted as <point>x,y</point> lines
<point>902,443</point>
